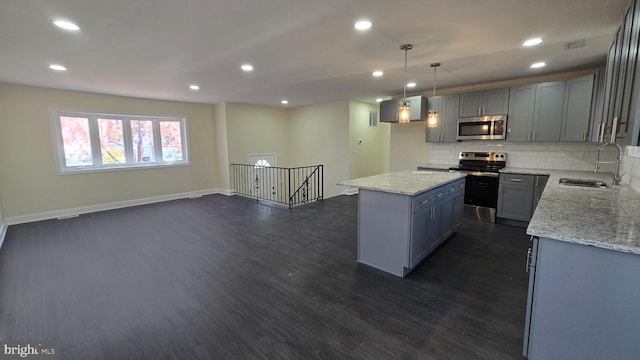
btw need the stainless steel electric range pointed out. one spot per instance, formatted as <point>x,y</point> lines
<point>481,190</point>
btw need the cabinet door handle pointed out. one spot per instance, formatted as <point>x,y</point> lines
<point>601,133</point>
<point>614,129</point>
<point>516,180</point>
<point>424,201</point>
<point>528,263</point>
<point>528,135</point>
<point>534,136</point>
<point>439,195</point>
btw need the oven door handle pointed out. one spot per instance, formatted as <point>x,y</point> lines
<point>481,173</point>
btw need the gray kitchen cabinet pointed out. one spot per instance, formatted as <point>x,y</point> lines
<point>419,241</point>
<point>457,200</point>
<point>552,111</point>
<point>488,102</point>
<point>436,217</point>
<point>538,188</point>
<point>515,197</point>
<point>389,111</point>
<point>447,107</point>
<point>547,118</point>
<point>417,111</point>
<point>620,112</point>
<point>396,232</point>
<point>521,108</point>
<point>435,230</point>
<point>577,109</point>
<point>425,226</point>
<point>452,209</point>
<point>582,302</point>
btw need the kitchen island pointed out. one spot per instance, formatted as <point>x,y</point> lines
<point>584,264</point>
<point>404,216</point>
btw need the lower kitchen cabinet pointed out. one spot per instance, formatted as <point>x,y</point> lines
<point>518,196</point>
<point>538,187</point>
<point>515,197</point>
<point>396,232</point>
<point>582,302</point>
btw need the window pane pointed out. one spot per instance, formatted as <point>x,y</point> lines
<point>111,141</point>
<point>171,140</point>
<point>142,134</point>
<point>76,141</point>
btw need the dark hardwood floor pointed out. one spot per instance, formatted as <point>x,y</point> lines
<point>229,278</point>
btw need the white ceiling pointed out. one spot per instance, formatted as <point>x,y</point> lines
<point>306,51</point>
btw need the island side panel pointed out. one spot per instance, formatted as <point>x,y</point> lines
<point>384,230</point>
<point>585,303</point>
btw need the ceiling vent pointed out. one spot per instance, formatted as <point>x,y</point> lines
<point>574,44</point>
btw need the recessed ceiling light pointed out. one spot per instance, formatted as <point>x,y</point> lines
<point>284,102</point>
<point>538,65</point>
<point>362,25</point>
<point>378,73</point>
<point>246,67</point>
<point>67,25</point>
<point>194,87</point>
<point>411,85</point>
<point>57,67</point>
<point>379,100</point>
<point>532,42</point>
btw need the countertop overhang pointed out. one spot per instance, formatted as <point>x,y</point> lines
<point>606,218</point>
<point>404,182</point>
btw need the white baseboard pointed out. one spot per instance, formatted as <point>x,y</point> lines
<point>73,212</point>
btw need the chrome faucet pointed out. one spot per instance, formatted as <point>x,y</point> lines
<point>616,175</point>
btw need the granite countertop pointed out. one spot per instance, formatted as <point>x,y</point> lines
<point>404,182</point>
<point>605,218</point>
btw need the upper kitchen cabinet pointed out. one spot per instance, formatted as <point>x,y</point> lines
<point>621,107</point>
<point>522,101</point>
<point>488,102</point>
<point>577,109</point>
<point>535,112</point>
<point>447,107</point>
<point>547,117</point>
<point>418,109</point>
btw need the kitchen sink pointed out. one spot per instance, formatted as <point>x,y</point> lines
<point>583,183</point>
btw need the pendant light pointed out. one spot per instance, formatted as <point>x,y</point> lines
<point>433,118</point>
<point>404,109</point>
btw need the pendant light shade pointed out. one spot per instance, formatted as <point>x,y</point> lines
<point>404,110</point>
<point>433,118</point>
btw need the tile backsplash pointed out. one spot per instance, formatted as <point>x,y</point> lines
<point>559,156</point>
<point>631,167</point>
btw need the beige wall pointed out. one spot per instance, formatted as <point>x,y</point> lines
<point>28,163</point>
<point>254,129</point>
<point>408,146</point>
<point>371,156</point>
<point>319,134</point>
<point>221,145</point>
<point>219,134</point>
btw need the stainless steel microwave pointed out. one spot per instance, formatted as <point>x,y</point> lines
<point>482,127</point>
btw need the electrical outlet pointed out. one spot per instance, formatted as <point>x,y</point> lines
<point>50,197</point>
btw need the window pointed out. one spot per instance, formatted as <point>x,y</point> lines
<point>90,141</point>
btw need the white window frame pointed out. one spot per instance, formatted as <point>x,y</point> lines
<point>55,115</point>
